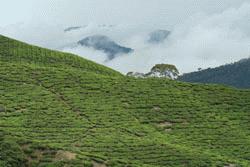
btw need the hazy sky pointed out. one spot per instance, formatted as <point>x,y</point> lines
<point>205,33</point>
<point>107,11</point>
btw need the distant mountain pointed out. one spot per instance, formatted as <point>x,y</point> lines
<point>106,25</point>
<point>72,28</point>
<point>105,44</point>
<point>158,36</point>
<point>235,74</point>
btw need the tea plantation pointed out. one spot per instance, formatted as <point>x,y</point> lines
<point>60,110</point>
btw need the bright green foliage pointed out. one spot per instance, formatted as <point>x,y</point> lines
<point>62,110</point>
<point>164,67</point>
<point>165,70</point>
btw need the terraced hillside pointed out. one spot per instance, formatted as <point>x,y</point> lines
<point>57,109</point>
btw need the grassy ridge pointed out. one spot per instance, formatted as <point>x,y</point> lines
<point>15,51</point>
<point>74,112</point>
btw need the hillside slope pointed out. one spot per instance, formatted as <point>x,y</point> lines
<point>235,74</point>
<point>73,112</point>
<point>19,52</point>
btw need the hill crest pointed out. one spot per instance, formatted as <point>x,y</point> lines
<point>15,51</point>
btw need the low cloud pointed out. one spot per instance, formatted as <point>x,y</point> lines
<point>201,39</point>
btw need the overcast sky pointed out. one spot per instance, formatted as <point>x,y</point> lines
<point>108,11</point>
<point>205,33</point>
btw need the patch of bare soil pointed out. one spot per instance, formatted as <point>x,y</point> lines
<point>2,109</point>
<point>25,146</point>
<point>156,108</point>
<point>65,155</point>
<point>38,154</point>
<point>165,124</point>
<point>230,165</point>
<point>98,164</point>
<point>168,130</point>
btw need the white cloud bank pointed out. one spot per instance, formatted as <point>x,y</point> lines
<point>204,34</point>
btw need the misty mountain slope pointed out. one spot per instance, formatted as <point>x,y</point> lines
<point>72,28</point>
<point>103,43</point>
<point>235,74</point>
<point>63,114</point>
<point>158,36</point>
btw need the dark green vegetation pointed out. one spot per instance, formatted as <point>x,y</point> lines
<point>164,67</point>
<point>57,109</point>
<point>235,74</point>
<point>165,70</point>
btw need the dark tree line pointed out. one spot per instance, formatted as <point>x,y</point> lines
<point>235,74</point>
